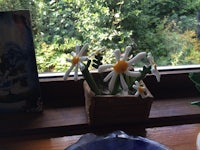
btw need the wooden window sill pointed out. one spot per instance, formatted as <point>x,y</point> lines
<point>64,112</point>
<point>180,137</point>
<point>73,120</point>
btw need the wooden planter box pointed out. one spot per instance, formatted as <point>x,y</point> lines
<point>112,109</point>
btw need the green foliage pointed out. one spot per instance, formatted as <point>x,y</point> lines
<point>167,28</point>
<point>51,58</point>
<point>97,61</point>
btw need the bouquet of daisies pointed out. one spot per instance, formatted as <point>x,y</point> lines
<point>120,78</point>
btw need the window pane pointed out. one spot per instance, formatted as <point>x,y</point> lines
<point>168,28</point>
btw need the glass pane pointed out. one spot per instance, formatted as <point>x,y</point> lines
<point>168,28</point>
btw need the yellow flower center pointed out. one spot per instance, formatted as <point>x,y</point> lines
<point>141,89</point>
<point>75,60</point>
<point>121,66</point>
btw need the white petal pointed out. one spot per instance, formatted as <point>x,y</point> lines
<point>137,84</point>
<point>81,66</point>
<point>112,82</point>
<point>135,87</point>
<point>73,54</point>
<point>127,51</point>
<point>137,58</point>
<point>104,67</point>
<point>156,73</point>
<point>143,95</point>
<point>77,49</point>
<point>68,72</point>
<point>83,50</point>
<point>100,50</point>
<point>150,57</point>
<point>123,83</point>
<point>76,73</point>
<point>68,60</point>
<point>137,94</point>
<point>158,77</point>
<point>117,54</point>
<point>83,58</point>
<point>108,76</point>
<point>132,73</point>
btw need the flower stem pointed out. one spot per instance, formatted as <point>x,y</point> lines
<point>144,72</point>
<point>90,80</point>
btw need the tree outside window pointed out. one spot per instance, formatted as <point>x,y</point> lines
<point>169,29</point>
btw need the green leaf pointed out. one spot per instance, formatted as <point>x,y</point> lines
<point>197,103</point>
<point>97,61</point>
<point>90,80</point>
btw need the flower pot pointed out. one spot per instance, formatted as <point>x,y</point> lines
<point>115,109</point>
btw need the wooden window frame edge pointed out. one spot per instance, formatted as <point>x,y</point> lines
<point>174,83</point>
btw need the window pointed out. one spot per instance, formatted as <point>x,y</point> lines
<point>167,28</point>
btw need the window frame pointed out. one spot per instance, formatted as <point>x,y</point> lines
<point>174,80</point>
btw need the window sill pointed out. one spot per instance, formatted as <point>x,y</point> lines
<point>72,120</point>
<point>64,112</point>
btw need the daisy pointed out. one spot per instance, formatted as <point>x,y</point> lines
<point>122,66</point>
<point>76,61</point>
<point>141,90</point>
<point>154,70</point>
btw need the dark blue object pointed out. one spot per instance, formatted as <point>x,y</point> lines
<point>115,141</point>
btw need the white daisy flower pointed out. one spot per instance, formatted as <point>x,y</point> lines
<point>121,67</point>
<point>141,90</point>
<point>76,61</point>
<point>154,70</point>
